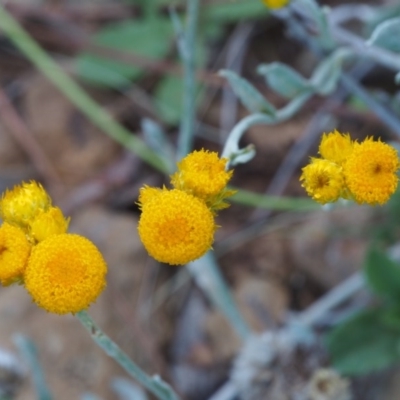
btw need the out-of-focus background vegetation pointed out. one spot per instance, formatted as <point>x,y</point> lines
<point>124,54</point>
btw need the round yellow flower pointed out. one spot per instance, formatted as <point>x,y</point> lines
<point>14,254</point>
<point>47,223</point>
<point>65,273</point>
<point>21,204</point>
<point>176,227</point>
<point>371,172</point>
<point>275,3</point>
<point>323,180</point>
<point>336,147</point>
<point>146,193</point>
<point>202,174</point>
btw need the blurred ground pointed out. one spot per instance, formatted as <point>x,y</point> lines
<point>154,312</point>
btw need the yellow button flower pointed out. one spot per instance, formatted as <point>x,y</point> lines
<point>202,174</point>
<point>21,204</point>
<point>336,147</point>
<point>175,227</point>
<point>275,3</point>
<point>47,223</point>
<point>323,180</point>
<point>14,254</point>
<point>371,172</point>
<point>65,273</point>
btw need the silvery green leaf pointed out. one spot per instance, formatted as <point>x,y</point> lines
<point>242,156</point>
<point>319,15</point>
<point>156,138</point>
<point>249,96</point>
<point>325,77</point>
<point>387,35</point>
<point>284,79</point>
<point>397,78</point>
<point>128,390</point>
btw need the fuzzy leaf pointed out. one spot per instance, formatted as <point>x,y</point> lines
<point>250,97</point>
<point>326,76</point>
<point>387,35</point>
<point>284,80</point>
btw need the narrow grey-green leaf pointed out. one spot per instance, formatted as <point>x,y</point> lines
<point>284,79</point>
<point>249,96</point>
<point>387,35</point>
<point>325,77</point>
<point>397,78</point>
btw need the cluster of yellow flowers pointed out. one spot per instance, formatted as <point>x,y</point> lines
<point>62,272</point>
<point>275,3</point>
<point>365,172</point>
<point>177,225</point>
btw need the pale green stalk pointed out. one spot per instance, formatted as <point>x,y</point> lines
<point>231,149</point>
<point>207,275</point>
<point>74,93</point>
<point>187,52</point>
<point>29,353</point>
<point>153,383</point>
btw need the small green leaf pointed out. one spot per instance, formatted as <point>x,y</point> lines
<point>364,344</point>
<point>250,97</point>
<point>397,78</point>
<point>386,35</point>
<point>149,38</point>
<point>326,76</point>
<point>284,80</point>
<point>319,15</point>
<point>383,274</point>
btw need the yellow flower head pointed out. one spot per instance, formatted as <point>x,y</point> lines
<point>275,3</point>
<point>323,180</point>
<point>336,147</point>
<point>47,223</point>
<point>176,227</point>
<point>21,204</point>
<point>202,174</point>
<point>14,254</point>
<point>146,193</point>
<point>371,172</point>
<point>65,273</point>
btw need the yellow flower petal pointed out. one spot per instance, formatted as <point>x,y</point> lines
<point>14,254</point>
<point>323,180</point>
<point>275,3</point>
<point>65,273</point>
<point>202,174</point>
<point>371,172</point>
<point>176,227</point>
<point>336,147</point>
<point>47,223</point>
<point>21,204</point>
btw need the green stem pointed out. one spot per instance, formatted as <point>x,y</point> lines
<point>185,141</point>
<point>74,92</point>
<point>154,384</point>
<point>29,353</point>
<point>207,275</point>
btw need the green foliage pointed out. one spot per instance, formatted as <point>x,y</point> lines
<point>371,340</point>
<point>365,343</point>
<point>382,274</point>
<point>249,96</point>
<point>284,80</point>
<point>127,36</point>
<point>386,35</point>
